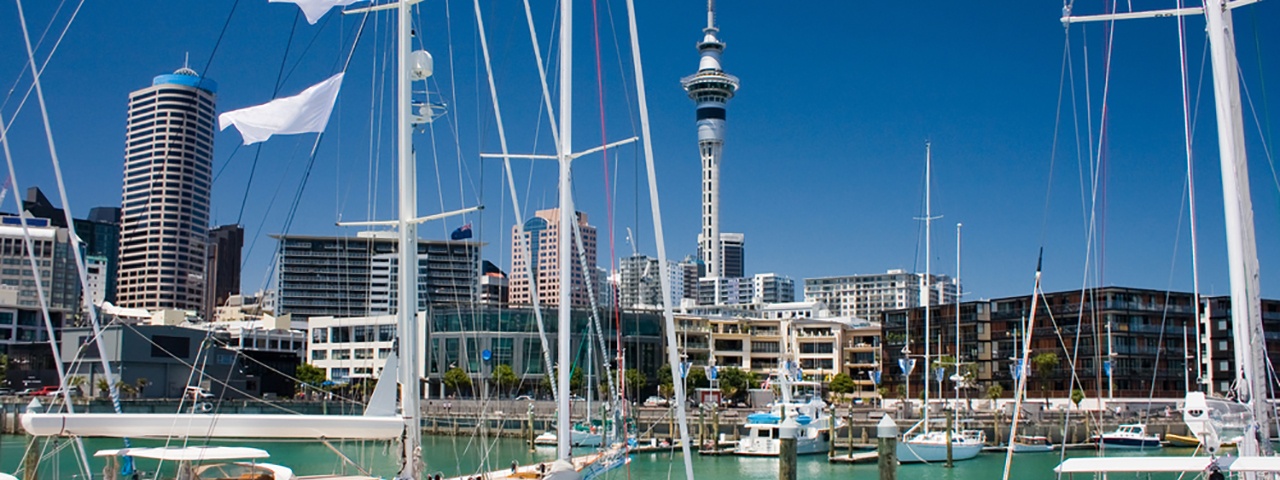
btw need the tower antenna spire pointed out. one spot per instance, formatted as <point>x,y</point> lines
<point>711,16</point>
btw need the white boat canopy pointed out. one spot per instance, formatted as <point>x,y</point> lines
<point>182,425</point>
<point>1168,464</point>
<point>187,454</point>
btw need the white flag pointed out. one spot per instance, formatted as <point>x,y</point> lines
<point>314,9</point>
<point>305,112</point>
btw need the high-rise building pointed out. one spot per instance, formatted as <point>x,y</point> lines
<point>865,296</point>
<point>165,202</point>
<point>711,89</point>
<point>52,247</point>
<point>536,243</point>
<point>222,277</point>
<point>773,288</point>
<point>355,276</point>
<point>101,236</point>
<point>640,282</point>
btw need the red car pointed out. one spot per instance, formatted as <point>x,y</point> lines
<point>46,391</point>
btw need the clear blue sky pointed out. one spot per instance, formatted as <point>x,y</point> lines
<point>823,165</point>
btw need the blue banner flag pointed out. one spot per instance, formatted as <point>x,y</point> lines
<point>875,377</point>
<point>907,365</point>
<point>462,233</point>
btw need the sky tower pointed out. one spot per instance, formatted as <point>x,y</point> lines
<point>711,88</point>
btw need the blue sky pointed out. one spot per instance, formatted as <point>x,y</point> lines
<point>823,164</point>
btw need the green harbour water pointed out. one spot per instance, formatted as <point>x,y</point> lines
<point>463,455</point>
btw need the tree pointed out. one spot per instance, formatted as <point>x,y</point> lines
<point>4,368</point>
<point>455,379</point>
<point>576,380</point>
<point>842,384</point>
<point>664,375</point>
<point>140,384</point>
<point>1077,396</point>
<point>104,387</point>
<point>884,393</point>
<point>77,382</point>
<point>504,378</point>
<point>994,392</point>
<point>309,375</point>
<point>696,378</point>
<point>734,382</point>
<point>666,390</point>
<point>636,381</point>
<point>1044,365</point>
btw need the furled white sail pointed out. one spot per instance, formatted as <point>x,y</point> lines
<point>315,9</point>
<point>306,112</point>
<point>179,425</point>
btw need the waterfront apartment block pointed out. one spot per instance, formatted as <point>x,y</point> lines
<point>865,296</point>
<point>534,244</point>
<point>1216,368</point>
<point>355,276</point>
<point>165,200</point>
<point>640,282</point>
<point>1118,342</point>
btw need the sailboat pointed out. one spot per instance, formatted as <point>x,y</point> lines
<point>1248,416</point>
<point>934,445</point>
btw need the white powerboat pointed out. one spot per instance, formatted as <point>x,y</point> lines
<point>1130,436</point>
<point>812,428</point>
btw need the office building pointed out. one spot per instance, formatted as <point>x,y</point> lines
<point>222,277</point>
<point>536,244</point>
<point>58,280</point>
<point>165,200</point>
<point>640,282</point>
<point>356,276</point>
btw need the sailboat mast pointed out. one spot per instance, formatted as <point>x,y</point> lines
<point>407,273</point>
<point>957,359</point>
<point>566,216</point>
<point>926,284</point>
<point>1242,249</point>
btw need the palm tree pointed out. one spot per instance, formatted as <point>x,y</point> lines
<point>104,387</point>
<point>76,382</point>
<point>140,384</point>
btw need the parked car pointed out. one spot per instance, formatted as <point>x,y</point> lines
<point>6,391</point>
<point>524,398</point>
<point>655,401</point>
<point>47,390</point>
<point>27,391</point>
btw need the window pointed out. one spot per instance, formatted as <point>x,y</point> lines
<point>384,352</point>
<point>361,333</point>
<point>386,333</point>
<point>319,354</point>
<point>342,354</point>
<point>364,353</point>
<point>164,346</point>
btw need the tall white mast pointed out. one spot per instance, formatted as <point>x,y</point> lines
<point>957,359</point>
<point>407,275</point>
<point>926,282</point>
<point>1242,249</point>
<point>566,216</point>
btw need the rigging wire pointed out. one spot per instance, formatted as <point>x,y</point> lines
<point>43,65</point>
<point>275,90</point>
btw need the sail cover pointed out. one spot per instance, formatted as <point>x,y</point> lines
<point>314,9</point>
<point>181,425</point>
<point>306,112</point>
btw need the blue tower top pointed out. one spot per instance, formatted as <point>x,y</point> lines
<point>186,77</point>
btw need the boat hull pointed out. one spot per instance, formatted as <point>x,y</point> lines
<point>1131,443</point>
<point>912,452</point>
<point>1021,448</point>
<point>769,447</point>
<point>576,439</point>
